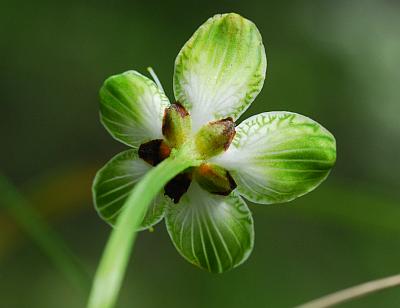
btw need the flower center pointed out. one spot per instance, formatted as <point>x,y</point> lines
<point>210,140</point>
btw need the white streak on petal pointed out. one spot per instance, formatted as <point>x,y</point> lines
<point>221,69</point>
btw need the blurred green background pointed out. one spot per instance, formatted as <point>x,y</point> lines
<point>337,62</point>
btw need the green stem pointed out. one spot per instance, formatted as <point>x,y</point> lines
<point>51,244</point>
<point>110,272</point>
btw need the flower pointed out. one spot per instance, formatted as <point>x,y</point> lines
<point>272,157</point>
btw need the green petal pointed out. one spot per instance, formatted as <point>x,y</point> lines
<point>278,156</point>
<point>132,108</point>
<point>221,69</point>
<point>212,232</point>
<point>113,184</point>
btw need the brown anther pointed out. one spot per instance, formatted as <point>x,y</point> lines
<point>154,151</point>
<point>215,179</point>
<point>179,108</point>
<point>178,186</point>
<point>176,125</point>
<point>215,137</point>
<point>229,130</point>
<point>165,151</point>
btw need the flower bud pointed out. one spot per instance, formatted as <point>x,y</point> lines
<point>215,137</point>
<point>176,125</point>
<point>214,179</point>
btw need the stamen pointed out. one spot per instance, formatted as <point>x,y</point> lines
<point>154,151</point>
<point>214,179</point>
<point>176,188</point>
<point>176,125</point>
<point>215,137</point>
<point>156,80</point>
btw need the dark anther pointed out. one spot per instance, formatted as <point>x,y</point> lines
<point>232,183</point>
<point>176,125</point>
<point>215,179</point>
<point>215,137</point>
<point>154,151</point>
<point>179,107</point>
<point>178,186</point>
<point>176,107</point>
<point>229,130</point>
